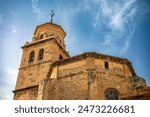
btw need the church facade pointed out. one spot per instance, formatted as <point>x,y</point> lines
<point>47,72</point>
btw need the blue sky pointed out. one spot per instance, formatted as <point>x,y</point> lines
<point>115,27</point>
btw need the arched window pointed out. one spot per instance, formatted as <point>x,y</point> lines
<point>31,56</point>
<point>112,94</point>
<point>41,54</point>
<point>41,36</point>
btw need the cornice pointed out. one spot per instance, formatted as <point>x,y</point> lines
<point>97,56</point>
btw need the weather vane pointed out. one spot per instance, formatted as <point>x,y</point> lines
<point>52,14</point>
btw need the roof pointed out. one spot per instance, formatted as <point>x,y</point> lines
<point>95,55</point>
<point>50,24</point>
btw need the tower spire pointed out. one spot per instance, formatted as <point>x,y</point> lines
<point>52,14</point>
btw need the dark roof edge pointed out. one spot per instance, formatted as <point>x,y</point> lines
<point>95,55</point>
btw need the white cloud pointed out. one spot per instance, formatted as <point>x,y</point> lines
<point>117,22</point>
<point>37,10</point>
<point>107,39</point>
<point>97,19</point>
<point>126,44</point>
<point>106,9</point>
<point>117,12</point>
<point>118,17</point>
<point>13,29</point>
<point>125,47</point>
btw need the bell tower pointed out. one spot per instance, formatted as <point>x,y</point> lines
<point>47,46</point>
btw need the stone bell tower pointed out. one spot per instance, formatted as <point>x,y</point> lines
<point>47,46</point>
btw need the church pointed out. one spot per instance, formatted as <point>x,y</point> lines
<point>48,72</point>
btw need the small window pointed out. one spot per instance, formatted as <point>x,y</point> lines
<point>41,54</point>
<point>106,65</point>
<point>60,57</point>
<point>31,56</point>
<point>112,95</point>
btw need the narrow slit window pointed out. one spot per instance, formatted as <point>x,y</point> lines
<point>106,65</point>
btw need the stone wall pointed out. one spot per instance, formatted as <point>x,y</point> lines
<point>89,79</point>
<point>27,94</point>
<point>89,84</point>
<point>67,88</point>
<point>31,73</point>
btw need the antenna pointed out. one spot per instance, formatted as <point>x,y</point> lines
<point>52,14</point>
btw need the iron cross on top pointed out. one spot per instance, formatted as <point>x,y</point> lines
<point>52,14</point>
